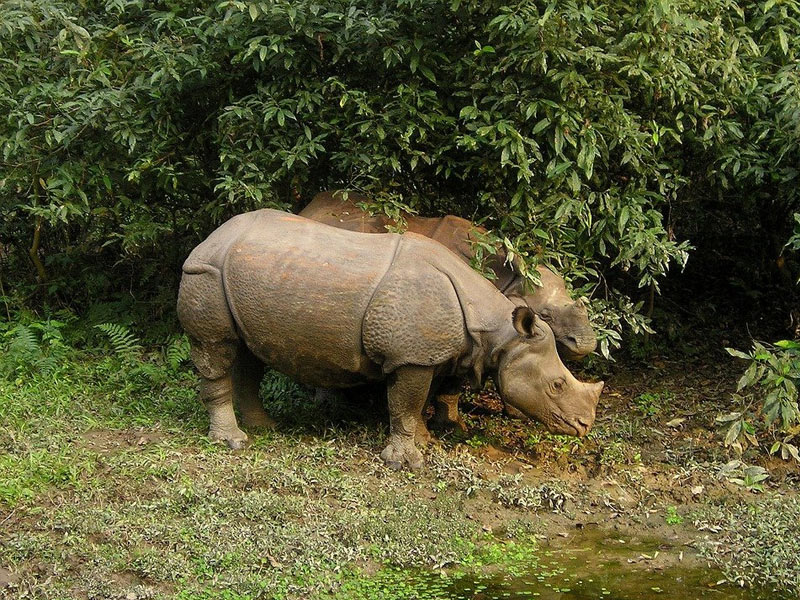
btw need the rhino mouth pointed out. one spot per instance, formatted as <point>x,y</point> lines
<point>569,426</point>
<point>571,349</point>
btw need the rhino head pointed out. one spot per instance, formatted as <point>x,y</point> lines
<point>568,318</point>
<point>532,379</point>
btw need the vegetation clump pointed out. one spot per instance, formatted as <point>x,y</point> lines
<point>604,138</point>
<point>763,537</point>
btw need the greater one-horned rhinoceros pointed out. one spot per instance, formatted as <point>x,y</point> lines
<point>567,318</point>
<point>334,308</point>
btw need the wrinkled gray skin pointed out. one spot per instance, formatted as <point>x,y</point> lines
<point>333,308</point>
<point>567,318</point>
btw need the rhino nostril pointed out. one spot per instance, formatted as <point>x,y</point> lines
<point>584,425</point>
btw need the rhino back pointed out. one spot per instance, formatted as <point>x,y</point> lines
<point>459,235</point>
<point>332,209</point>
<point>211,252</point>
<point>298,291</point>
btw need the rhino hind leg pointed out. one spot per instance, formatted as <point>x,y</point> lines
<point>217,395</point>
<point>445,407</point>
<point>248,371</point>
<point>204,314</point>
<point>446,415</point>
<point>407,391</point>
<point>422,435</point>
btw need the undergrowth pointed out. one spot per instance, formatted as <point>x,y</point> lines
<point>760,543</point>
<point>767,394</point>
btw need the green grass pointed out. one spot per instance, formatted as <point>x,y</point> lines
<point>110,487</point>
<point>107,481</point>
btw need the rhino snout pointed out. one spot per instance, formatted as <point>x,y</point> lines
<point>580,422</point>
<point>577,347</point>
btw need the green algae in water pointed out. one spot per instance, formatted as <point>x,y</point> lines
<point>588,567</point>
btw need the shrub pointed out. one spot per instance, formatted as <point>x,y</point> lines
<point>768,390</point>
<point>590,135</point>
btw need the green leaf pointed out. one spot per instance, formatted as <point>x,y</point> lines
<point>428,74</point>
<point>783,40</point>
<point>788,344</point>
<point>558,140</point>
<point>541,125</point>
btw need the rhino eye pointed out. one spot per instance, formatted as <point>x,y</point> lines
<point>546,315</point>
<point>558,385</point>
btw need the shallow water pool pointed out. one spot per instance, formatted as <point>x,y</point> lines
<point>589,565</point>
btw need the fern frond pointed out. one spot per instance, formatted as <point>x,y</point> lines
<point>25,343</point>
<point>47,365</point>
<point>177,352</point>
<point>126,345</point>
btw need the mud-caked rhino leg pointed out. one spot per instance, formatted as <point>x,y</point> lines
<point>248,371</point>
<point>445,406</point>
<point>407,391</point>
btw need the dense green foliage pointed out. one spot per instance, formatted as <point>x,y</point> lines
<point>589,134</point>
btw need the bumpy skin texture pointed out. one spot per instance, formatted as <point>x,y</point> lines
<point>568,319</point>
<point>333,308</point>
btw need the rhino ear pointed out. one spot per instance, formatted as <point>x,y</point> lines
<point>524,321</point>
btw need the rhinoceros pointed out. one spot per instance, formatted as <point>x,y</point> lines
<point>334,308</point>
<point>568,319</point>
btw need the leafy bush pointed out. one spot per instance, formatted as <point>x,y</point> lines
<point>794,241</point>
<point>590,135</point>
<point>768,389</point>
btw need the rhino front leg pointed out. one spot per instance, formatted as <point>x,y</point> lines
<point>407,391</point>
<point>248,371</point>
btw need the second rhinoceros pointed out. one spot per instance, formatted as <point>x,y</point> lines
<point>333,308</point>
<point>568,318</point>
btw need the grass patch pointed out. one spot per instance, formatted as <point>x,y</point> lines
<point>109,485</point>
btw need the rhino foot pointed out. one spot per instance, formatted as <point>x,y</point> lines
<point>402,452</point>
<point>235,439</point>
